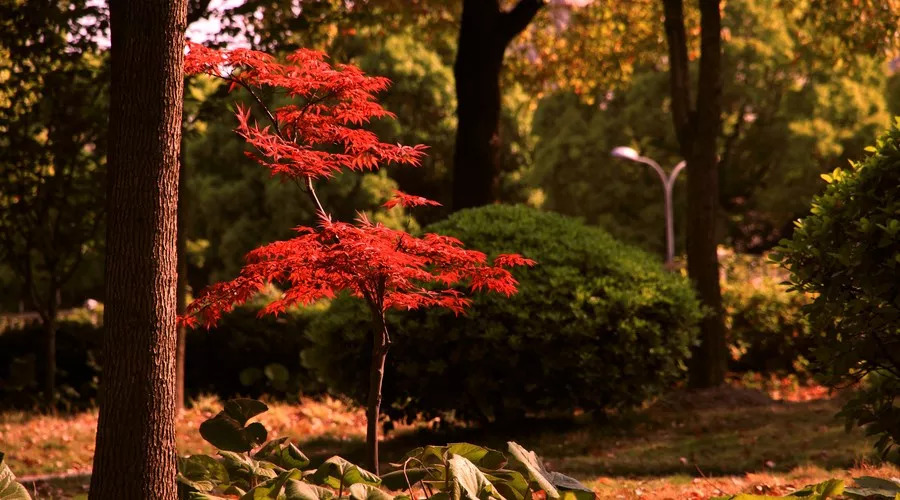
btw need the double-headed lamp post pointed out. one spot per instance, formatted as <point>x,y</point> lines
<point>668,182</point>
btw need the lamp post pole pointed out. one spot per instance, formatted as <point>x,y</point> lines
<point>668,182</point>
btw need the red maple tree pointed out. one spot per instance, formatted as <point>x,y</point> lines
<point>320,134</point>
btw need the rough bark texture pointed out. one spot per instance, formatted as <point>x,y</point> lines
<point>485,32</point>
<point>135,451</point>
<point>181,285</point>
<point>697,129</point>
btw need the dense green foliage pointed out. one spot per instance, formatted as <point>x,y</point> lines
<point>278,469</point>
<point>244,355</point>
<point>790,114</point>
<point>596,324</point>
<point>767,329</point>
<point>847,253</point>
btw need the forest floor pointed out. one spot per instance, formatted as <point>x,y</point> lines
<point>687,445</point>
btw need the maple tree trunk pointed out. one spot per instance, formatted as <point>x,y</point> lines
<point>484,33</point>
<point>380,346</point>
<point>135,450</point>
<point>697,131</point>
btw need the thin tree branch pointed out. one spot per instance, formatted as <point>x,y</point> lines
<point>518,18</point>
<point>679,75</point>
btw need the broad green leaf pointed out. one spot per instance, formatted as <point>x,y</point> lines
<point>203,468</point>
<point>361,491</point>
<point>243,409</point>
<point>565,482</point>
<point>469,483</point>
<point>577,495</point>
<point>878,483</point>
<point>535,468</point>
<point>238,464</point>
<point>9,488</point>
<point>336,471</point>
<point>478,455</point>
<point>201,486</point>
<point>397,480</point>
<point>272,488</point>
<point>283,454</point>
<point>298,490</point>
<point>826,489</point>
<point>509,483</point>
<point>229,434</point>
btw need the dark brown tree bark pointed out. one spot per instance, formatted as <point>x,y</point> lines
<point>697,128</point>
<point>135,452</point>
<point>181,285</point>
<point>485,32</point>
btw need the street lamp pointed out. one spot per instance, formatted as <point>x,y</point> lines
<point>668,182</point>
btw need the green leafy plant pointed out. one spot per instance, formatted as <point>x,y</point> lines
<point>248,468</point>
<point>846,253</point>
<point>9,488</point>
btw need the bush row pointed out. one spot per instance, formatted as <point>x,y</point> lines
<point>596,324</point>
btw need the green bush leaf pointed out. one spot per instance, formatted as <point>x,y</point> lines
<point>337,471</point>
<point>361,491</point>
<point>298,490</point>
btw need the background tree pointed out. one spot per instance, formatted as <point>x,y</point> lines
<point>485,31</point>
<point>52,148</point>
<point>697,128</point>
<point>135,451</point>
<point>789,114</point>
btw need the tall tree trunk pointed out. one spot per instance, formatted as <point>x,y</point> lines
<point>181,286</point>
<point>381,343</point>
<point>485,32</point>
<point>697,129</point>
<point>135,450</point>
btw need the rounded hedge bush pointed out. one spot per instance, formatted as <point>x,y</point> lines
<point>596,324</point>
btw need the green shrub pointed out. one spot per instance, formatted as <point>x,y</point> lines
<point>767,329</point>
<point>847,253</point>
<point>244,355</point>
<point>596,324</point>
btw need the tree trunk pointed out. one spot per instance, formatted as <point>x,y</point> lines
<point>381,343</point>
<point>135,450</point>
<point>50,326</point>
<point>484,33</point>
<point>697,130</point>
<point>181,285</point>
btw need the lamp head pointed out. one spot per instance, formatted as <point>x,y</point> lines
<point>625,152</point>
